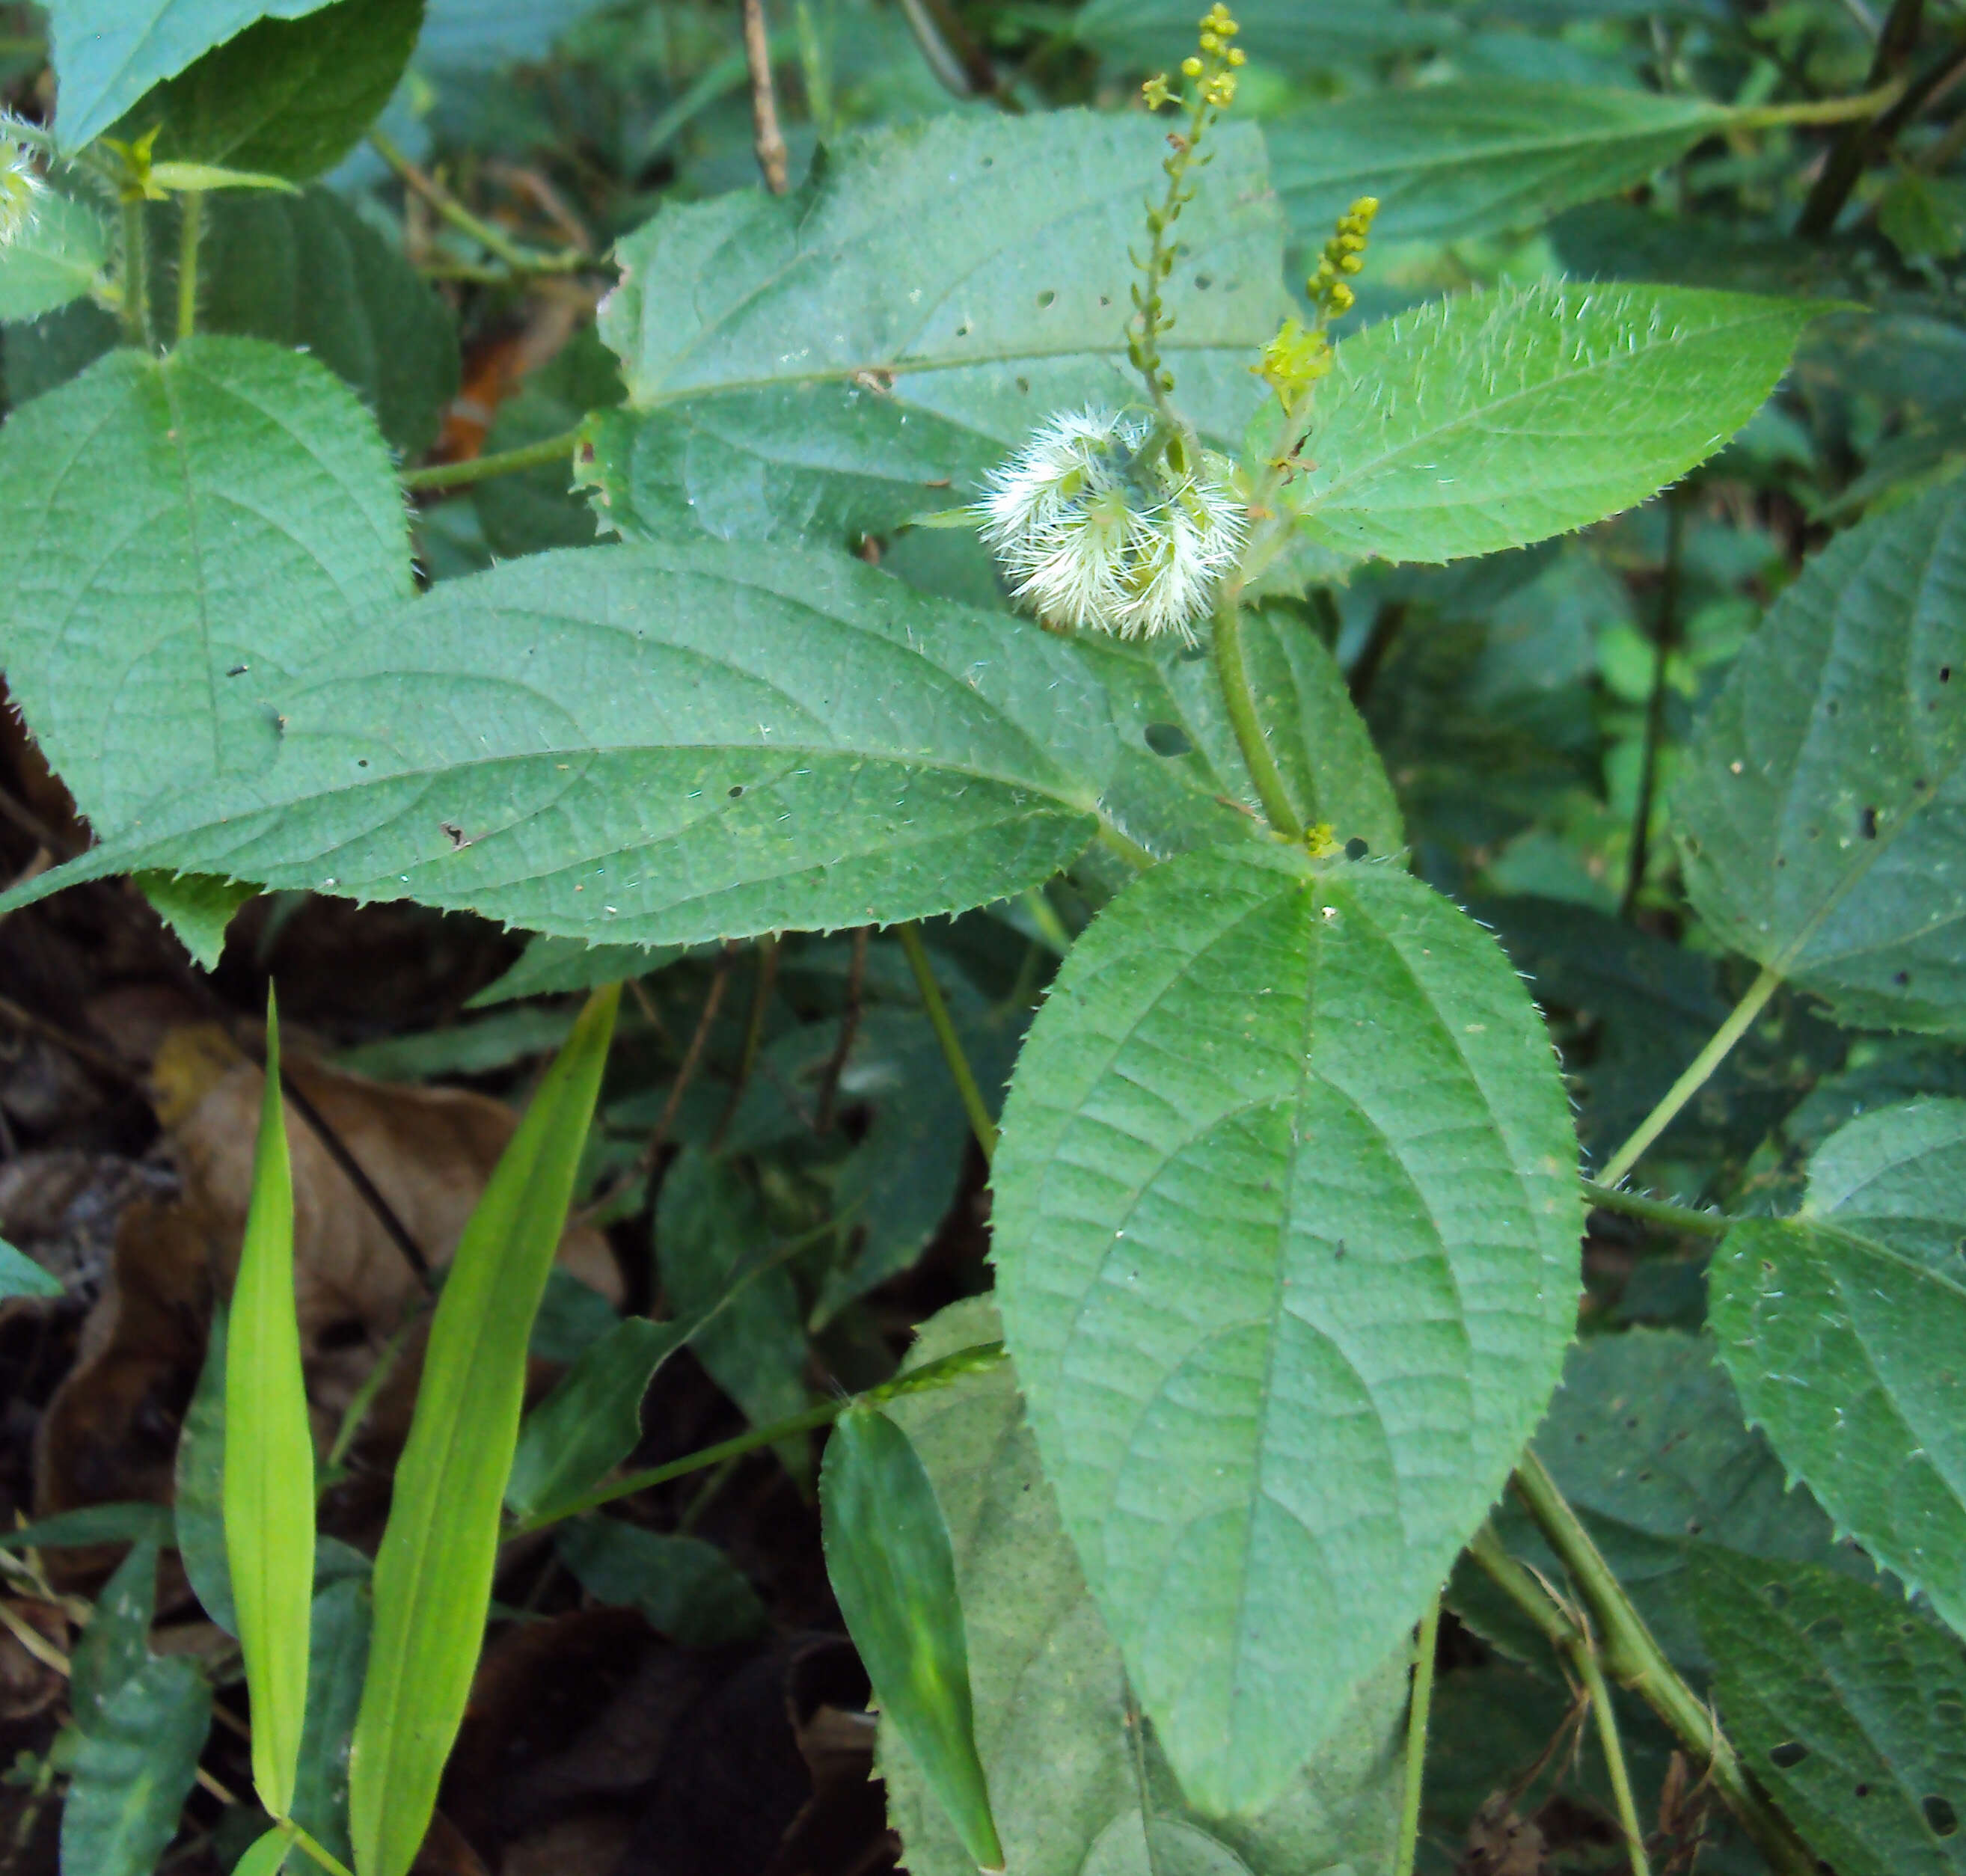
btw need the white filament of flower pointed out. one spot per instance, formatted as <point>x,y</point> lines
<point>1095,531</point>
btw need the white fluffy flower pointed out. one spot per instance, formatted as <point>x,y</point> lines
<point>21,191</point>
<point>1092,536</point>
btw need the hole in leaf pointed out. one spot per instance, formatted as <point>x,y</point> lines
<point>1940,1815</point>
<point>1867,821</point>
<point>1945,674</point>
<point>1356,849</point>
<point>1901,978</point>
<point>1863,1791</point>
<point>1047,297</point>
<point>736,789</point>
<point>1167,738</point>
<point>1789,1752</point>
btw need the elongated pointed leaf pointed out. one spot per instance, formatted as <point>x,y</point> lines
<point>688,1590</point>
<point>1847,1351</point>
<point>929,343</point>
<point>656,745</point>
<point>19,1275</point>
<point>1846,1705</point>
<point>337,1660</point>
<point>432,1581</point>
<point>182,533</point>
<point>1286,1235</point>
<point>1080,1781</point>
<point>132,1769</point>
<point>1819,814</point>
<point>887,1554</point>
<point>1448,161</point>
<point>267,1855</point>
<point>269,1539</point>
<point>116,1644</point>
<point>1491,420</point>
<point>197,1497</point>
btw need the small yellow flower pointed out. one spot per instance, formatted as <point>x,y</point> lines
<point>1191,65</point>
<point>1155,91</point>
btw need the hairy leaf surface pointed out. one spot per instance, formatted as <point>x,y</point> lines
<point>1286,1231</point>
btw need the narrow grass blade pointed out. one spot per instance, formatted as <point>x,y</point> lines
<point>269,1459</point>
<point>893,1568</point>
<point>433,1572</point>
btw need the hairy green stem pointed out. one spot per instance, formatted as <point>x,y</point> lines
<point>1657,1211</point>
<point>1818,110</point>
<point>1426,1642</point>
<point>1635,1661</point>
<point>191,226</point>
<point>1592,1671</point>
<point>1232,674</point>
<point>1739,1020</point>
<point>940,1021</point>
<point>929,1375</point>
<point>479,468</point>
<point>135,275</point>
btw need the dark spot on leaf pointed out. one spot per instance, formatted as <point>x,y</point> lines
<point>962,332</point>
<point>1355,848</point>
<point>1789,1752</point>
<point>1190,654</point>
<point>1901,978</point>
<point>1105,300</point>
<point>1339,1253</point>
<point>1047,297</point>
<point>1867,821</point>
<point>1167,738</point>
<point>1814,834</point>
<point>1832,708</point>
<point>1777,1593</point>
<point>1828,1629</point>
<point>361,762</point>
<point>1945,674</point>
<point>454,834</point>
<point>1940,1815</point>
<point>1203,281</point>
<point>1023,385</point>
<point>238,671</point>
<point>1781,859</point>
<point>1919,786</point>
<point>1632,1423</point>
<point>736,789</point>
<point>1694,1527</point>
<point>989,163</point>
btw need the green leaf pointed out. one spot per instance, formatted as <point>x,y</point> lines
<point>197,1502</point>
<point>54,259</point>
<point>107,54</point>
<point>1490,420</point>
<point>928,343</point>
<point>19,1275</point>
<point>131,1770</point>
<point>1448,161</point>
<point>539,509</point>
<point>116,1644</point>
<point>269,1533</point>
<point>888,1557</point>
<point>128,1523</point>
<point>433,1580</point>
<point>1897,1176</point>
<point>689,1590</point>
<point>1847,1352</point>
<point>338,1656</point>
<point>182,534</point>
<point>1081,1783</point>
<point>267,1855</point>
<point>287,96</point>
<point>592,1421</point>
<point>551,967</point>
<point>1286,1224</point>
<point>663,744</point>
<point>1819,812</point>
<point>710,1224</point>
<point>307,271</point>
<point>1646,1439</point>
<point>1846,1705</point>
<point>197,908</point>
<point>1303,35</point>
<point>1180,772</point>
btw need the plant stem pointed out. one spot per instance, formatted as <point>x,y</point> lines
<point>1665,628</point>
<point>521,260</point>
<point>326,1859</point>
<point>1592,1671</point>
<point>136,276</point>
<point>1636,1661</point>
<point>929,1375</point>
<point>939,1021</point>
<point>1658,1211</point>
<point>1864,137</point>
<point>1232,674</point>
<point>478,469</point>
<point>766,138</point>
<point>190,226</point>
<point>1675,1097</point>
<point>1818,110</point>
<point>762,987</point>
<point>1426,1645</point>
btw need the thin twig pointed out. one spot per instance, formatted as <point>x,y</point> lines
<point>766,138</point>
<point>1592,1671</point>
<point>981,1124</point>
<point>1426,1645</point>
<point>493,239</point>
<point>98,1062</point>
<point>849,1027</point>
<point>480,469</point>
<point>692,1059</point>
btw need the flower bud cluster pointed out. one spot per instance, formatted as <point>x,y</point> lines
<point>1101,522</point>
<point>1344,254</point>
<point>20,192</point>
<point>1299,355</point>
